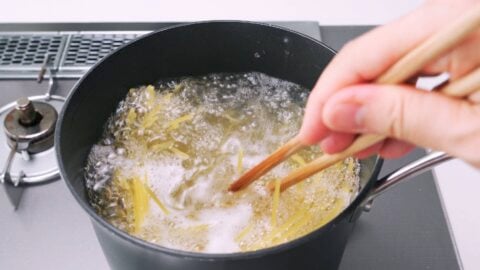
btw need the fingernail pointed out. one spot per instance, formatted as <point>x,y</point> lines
<point>346,117</point>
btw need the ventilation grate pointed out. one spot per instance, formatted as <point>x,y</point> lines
<point>22,51</point>
<point>86,49</point>
<point>71,53</point>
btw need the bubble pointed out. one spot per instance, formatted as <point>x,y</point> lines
<point>204,133</point>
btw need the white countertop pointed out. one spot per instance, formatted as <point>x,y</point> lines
<point>459,183</point>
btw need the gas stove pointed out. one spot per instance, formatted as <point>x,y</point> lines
<point>44,228</point>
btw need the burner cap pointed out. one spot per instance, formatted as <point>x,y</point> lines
<point>28,131</point>
<point>31,122</point>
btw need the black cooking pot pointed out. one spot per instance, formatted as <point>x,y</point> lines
<point>198,49</point>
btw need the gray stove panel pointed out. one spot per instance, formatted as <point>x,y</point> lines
<point>405,230</point>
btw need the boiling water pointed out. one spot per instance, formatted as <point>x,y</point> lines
<point>162,168</point>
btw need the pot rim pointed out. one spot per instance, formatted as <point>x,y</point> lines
<point>349,210</point>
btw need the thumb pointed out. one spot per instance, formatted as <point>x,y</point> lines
<point>430,120</point>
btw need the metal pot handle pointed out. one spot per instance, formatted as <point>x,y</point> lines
<point>415,168</point>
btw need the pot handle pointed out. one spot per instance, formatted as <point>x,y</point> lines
<point>413,169</point>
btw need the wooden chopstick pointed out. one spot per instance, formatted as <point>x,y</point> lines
<point>267,164</point>
<point>462,87</point>
<point>465,86</point>
<point>405,68</point>
<point>326,161</point>
<point>432,48</point>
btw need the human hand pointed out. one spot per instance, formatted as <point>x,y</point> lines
<point>343,104</point>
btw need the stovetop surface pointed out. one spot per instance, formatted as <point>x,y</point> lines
<point>406,228</point>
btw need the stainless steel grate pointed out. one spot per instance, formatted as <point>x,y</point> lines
<point>84,50</point>
<point>28,51</point>
<point>73,53</point>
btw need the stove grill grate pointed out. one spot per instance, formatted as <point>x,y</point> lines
<point>84,50</point>
<point>72,53</point>
<point>28,51</point>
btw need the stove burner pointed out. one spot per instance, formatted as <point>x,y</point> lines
<point>31,123</point>
<point>26,143</point>
<point>32,156</point>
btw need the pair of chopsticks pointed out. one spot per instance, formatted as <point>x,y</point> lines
<point>405,68</point>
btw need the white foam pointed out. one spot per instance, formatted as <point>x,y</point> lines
<point>164,177</point>
<point>225,225</point>
<point>262,114</point>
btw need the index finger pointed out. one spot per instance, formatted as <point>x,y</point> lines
<point>367,57</point>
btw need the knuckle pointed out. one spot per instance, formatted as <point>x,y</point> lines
<point>466,136</point>
<point>453,65</point>
<point>465,130</point>
<point>395,124</point>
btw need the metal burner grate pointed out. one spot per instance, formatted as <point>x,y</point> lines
<point>28,51</point>
<point>84,50</point>
<point>71,53</point>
